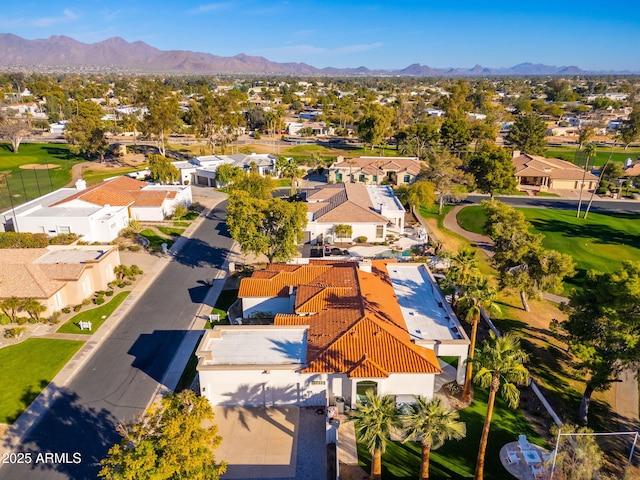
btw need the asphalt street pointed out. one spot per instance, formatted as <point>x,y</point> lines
<point>598,206</point>
<point>119,380</point>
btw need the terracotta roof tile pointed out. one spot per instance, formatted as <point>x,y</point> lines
<point>356,326</point>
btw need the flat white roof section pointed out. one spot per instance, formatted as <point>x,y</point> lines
<point>383,198</point>
<point>425,312</point>
<point>254,345</point>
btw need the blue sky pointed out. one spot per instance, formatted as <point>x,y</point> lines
<point>353,33</point>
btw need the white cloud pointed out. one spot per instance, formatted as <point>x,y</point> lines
<point>67,16</point>
<point>211,7</point>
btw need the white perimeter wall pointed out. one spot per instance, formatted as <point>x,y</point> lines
<point>254,388</point>
<point>271,305</point>
<point>358,230</point>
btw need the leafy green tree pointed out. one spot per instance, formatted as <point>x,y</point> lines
<point>375,419</point>
<point>577,457</point>
<point>478,297</point>
<point>13,130</point>
<point>343,231</point>
<point>603,328</point>
<point>256,185</point>
<point>455,134</point>
<point>500,368</point>
<point>432,424</point>
<point>272,226</point>
<point>162,115</point>
<point>630,131</point>
<point>493,169</point>
<point>85,132</point>
<point>375,125</point>
<point>173,440</point>
<point>227,174</point>
<point>420,138</point>
<point>162,170</point>
<point>521,261</point>
<point>418,193</point>
<point>528,133</point>
<point>445,171</point>
<point>218,117</point>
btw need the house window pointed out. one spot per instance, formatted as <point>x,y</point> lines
<point>375,178</point>
<point>379,231</point>
<point>86,287</point>
<point>318,382</point>
<point>407,178</point>
<point>338,177</point>
<point>363,387</point>
<point>361,177</point>
<point>40,230</point>
<point>57,300</point>
<point>64,229</point>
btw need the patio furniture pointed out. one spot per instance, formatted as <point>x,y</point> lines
<point>512,456</point>
<point>531,457</point>
<point>523,443</point>
<point>537,471</point>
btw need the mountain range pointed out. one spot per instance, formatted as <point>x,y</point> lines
<point>62,52</point>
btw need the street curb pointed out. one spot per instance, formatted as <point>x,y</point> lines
<point>34,412</point>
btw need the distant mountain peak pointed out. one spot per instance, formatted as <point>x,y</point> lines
<point>61,51</point>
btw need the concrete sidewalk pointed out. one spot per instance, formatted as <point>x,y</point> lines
<point>30,417</point>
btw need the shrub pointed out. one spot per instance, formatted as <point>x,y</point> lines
<point>14,332</point>
<point>21,320</point>
<point>86,301</point>
<point>179,212</point>
<point>121,247</point>
<point>109,293</point>
<point>122,285</point>
<point>23,240</point>
<point>82,242</point>
<point>32,320</point>
<point>361,239</point>
<point>98,300</point>
<point>54,318</point>
<point>134,248</point>
<point>4,320</point>
<point>66,310</point>
<point>77,308</point>
<point>64,239</point>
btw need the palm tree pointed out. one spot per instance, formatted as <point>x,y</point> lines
<point>10,307</point>
<point>375,419</point>
<point>501,368</point>
<point>34,308</point>
<point>288,168</point>
<point>480,296</point>
<point>462,272</point>
<point>432,423</point>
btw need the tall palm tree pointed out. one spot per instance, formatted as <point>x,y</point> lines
<point>501,367</point>
<point>10,307</point>
<point>478,297</point>
<point>34,308</point>
<point>462,271</point>
<point>375,419</point>
<point>432,423</point>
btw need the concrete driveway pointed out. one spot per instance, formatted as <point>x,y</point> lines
<point>272,443</point>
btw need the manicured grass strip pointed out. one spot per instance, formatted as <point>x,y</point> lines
<point>190,216</point>
<point>27,368</point>
<point>457,459</point>
<point>171,231</point>
<point>155,240</point>
<point>472,219</point>
<point>93,315</point>
<point>602,154</point>
<point>189,373</point>
<point>97,176</point>
<point>225,300</point>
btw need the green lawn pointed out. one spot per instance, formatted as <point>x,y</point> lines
<point>190,371</point>
<point>602,153</point>
<point>93,315</point>
<point>27,184</point>
<point>600,242</point>
<point>225,300</point>
<point>97,176</point>
<point>457,459</point>
<point>27,368</point>
<point>155,240</point>
<point>172,231</point>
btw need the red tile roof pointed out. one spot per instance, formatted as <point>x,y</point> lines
<point>356,326</point>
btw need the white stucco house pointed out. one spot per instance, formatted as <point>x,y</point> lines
<point>96,213</point>
<point>339,329</point>
<point>370,210</point>
<point>375,170</point>
<point>202,170</point>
